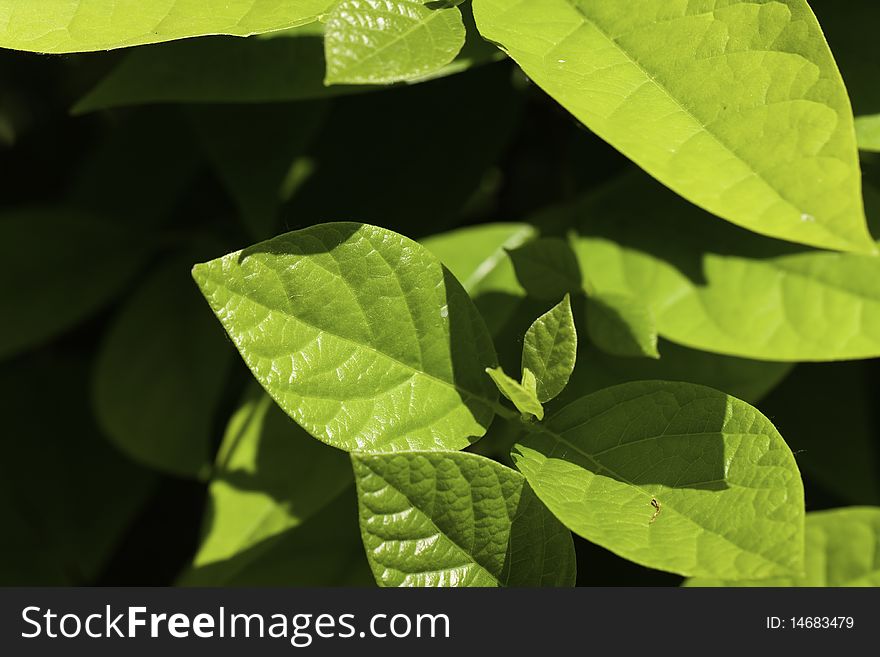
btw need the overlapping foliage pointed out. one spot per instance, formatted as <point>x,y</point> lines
<point>518,288</point>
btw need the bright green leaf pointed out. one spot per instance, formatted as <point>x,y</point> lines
<point>621,325</point>
<point>672,476</point>
<point>385,41</point>
<point>160,374</point>
<point>525,399</point>
<point>270,476</point>
<point>360,335</point>
<point>739,107</point>
<point>457,519</point>
<point>57,268</point>
<point>722,289</point>
<point>547,269</point>
<point>326,550</point>
<point>550,350</point>
<point>840,551</point>
<point>58,26</point>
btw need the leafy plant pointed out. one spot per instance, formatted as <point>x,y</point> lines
<point>522,291</point>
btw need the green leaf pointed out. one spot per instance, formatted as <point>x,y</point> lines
<point>326,550</point>
<point>58,267</point>
<point>385,41</point>
<point>254,149</point>
<point>739,108</point>
<point>457,519</point>
<point>826,412</point>
<point>719,288</point>
<point>550,350</point>
<point>672,476</point>
<point>66,496</point>
<point>621,325</point>
<point>270,476</point>
<point>840,549</point>
<point>160,374</point>
<point>360,335</point>
<point>524,398</point>
<point>547,269</point>
<point>57,26</point>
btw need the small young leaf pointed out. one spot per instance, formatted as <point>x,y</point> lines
<point>160,374</point>
<point>840,549</point>
<point>270,476</point>
<point>457,519</point>
<point>621,326</point>
<point>57,26</point>
<point>673,476</point>
<point>360,335</point>
<point>550,350</point>
<point>547,268</point>
<point>385,41</point>
<point>525,399</point>
<point>737,106</point>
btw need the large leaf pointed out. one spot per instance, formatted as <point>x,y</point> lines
<point>160,374</point>
<point>359,334</point>
<point>385,41</point>
<point>457,519</point>
<point>737,106</point>
<point>841,549</point>
<point>66,496</point>
<point>826,411</point>
<point>719,288</point>
<point>673,476</point>
<point>326,550</point>
<point>270,476</point>
<point>58,26</point>
<point>57,268</point>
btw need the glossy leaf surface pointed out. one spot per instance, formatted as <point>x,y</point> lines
<point>673,476</point>
<point>738,105</point>
<point>456,519</point>
<point>359,334</point>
